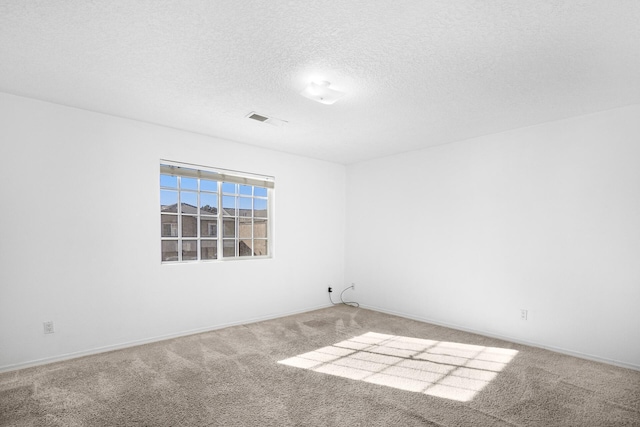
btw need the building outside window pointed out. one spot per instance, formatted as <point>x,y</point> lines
<point>209,214</point>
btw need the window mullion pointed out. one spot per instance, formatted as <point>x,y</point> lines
<point>220,222</point>
<point>179,210</point>
<point>253,211</point>
<point>198,235</point>
<point>237,224</point>
<point>269,228</point>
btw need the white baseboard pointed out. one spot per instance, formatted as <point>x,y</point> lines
<point>508,338</point>
<point>98,350</point>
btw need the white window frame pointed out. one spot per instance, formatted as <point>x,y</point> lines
<point>221,176</point>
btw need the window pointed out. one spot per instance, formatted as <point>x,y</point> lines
<point>209,214</point>
<point>170,229</point>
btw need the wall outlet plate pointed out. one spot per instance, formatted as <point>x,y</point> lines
<point>48,327</point>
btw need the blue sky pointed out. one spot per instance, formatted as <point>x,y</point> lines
<point>170,197</point>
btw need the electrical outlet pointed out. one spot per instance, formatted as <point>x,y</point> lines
<point>353,286</point>
<point>523,314</point>
<point>330,290</point>
<point>48,327</point>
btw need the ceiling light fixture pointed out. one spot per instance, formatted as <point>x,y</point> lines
<point>322,93</point>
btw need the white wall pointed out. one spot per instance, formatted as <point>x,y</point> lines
<point>79,242</point>
<point>545,218</point>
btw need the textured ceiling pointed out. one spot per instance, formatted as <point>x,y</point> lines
<point>416,73</point>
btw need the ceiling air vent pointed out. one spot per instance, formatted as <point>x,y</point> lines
<point>265,119</point>
<point>258,117</point>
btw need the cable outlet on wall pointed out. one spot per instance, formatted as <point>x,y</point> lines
<point>523,314</point>
<point>48,327</point>
<point>353,286</point>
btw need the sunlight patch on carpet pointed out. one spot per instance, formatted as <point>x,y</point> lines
<point>436,368</point>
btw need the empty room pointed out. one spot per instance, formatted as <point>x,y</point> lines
<point>410,213</point>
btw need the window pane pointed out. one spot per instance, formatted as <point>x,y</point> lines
<point>189,202</point>
<point>208,185</point>
<point>209,249</point>
<point>246,189</point>
<point>260,247</point>
<point>208,227</point>
<point>229,248</point>
<point>245,204</point>
<point>169,225</point>
<point>244,228</point>
<point>230,188</point>
<point>169,250</point>
<point>260,208</point>
<point>229,205</point>
<point>189,226</point>
<point>188,183</point>
<point>229,227</point>
<point>244,248</point>
<point>168,201</point>
<point>260,228</point>
<point>189,250</point>
<point>169,181</point>
<point>208,203</point>
<point>260,191</point>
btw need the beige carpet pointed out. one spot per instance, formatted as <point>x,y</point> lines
<point>340,366</point>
